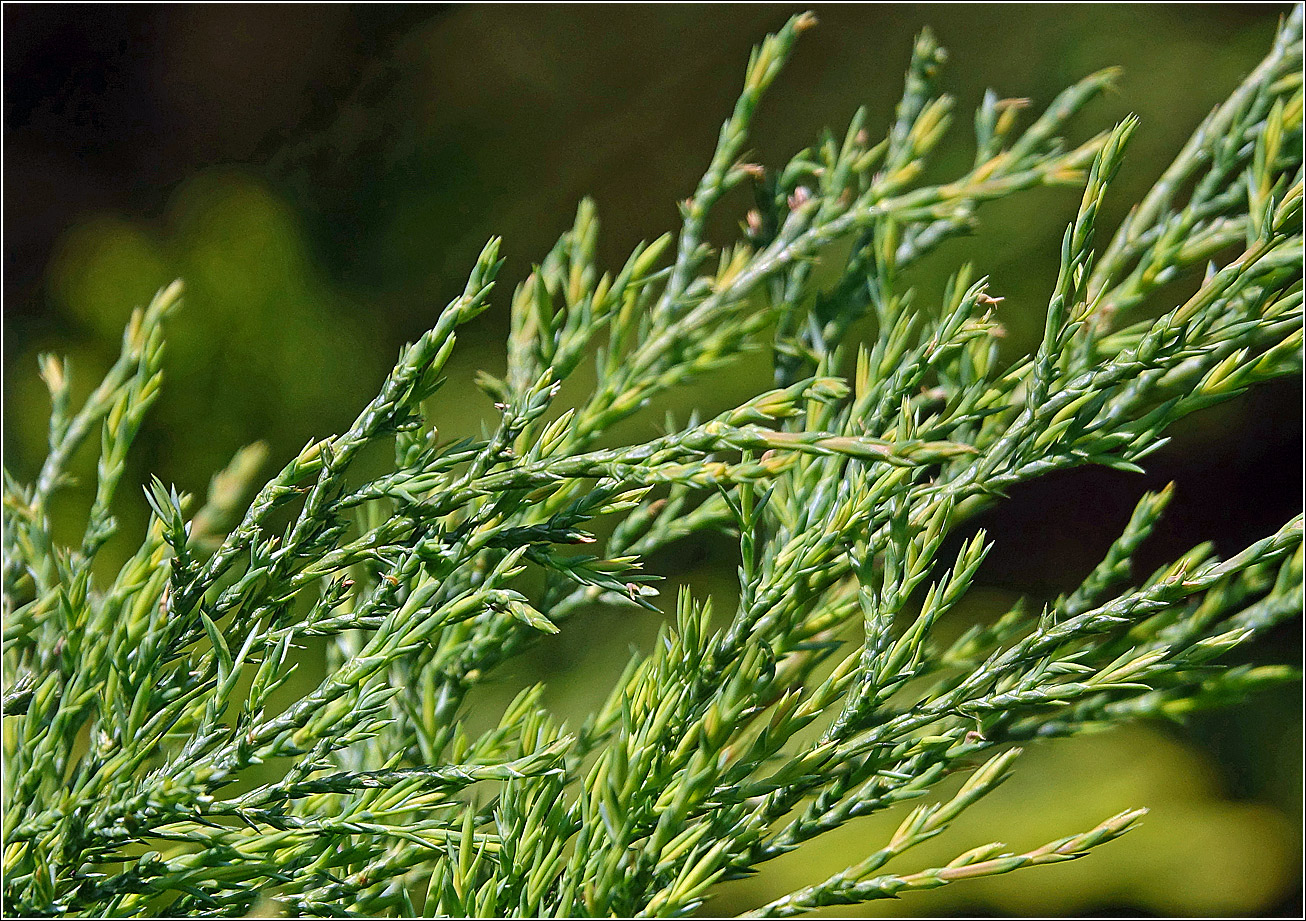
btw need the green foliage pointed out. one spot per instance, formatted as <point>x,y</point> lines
<point>158,758</point>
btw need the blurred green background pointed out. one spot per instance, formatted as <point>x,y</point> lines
<point>323,176</point>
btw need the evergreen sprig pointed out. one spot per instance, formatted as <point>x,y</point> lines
<point>156,762</point>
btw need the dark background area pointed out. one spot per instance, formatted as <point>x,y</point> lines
<point>322,177</point>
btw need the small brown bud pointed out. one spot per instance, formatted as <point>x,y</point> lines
<point>801,196</point>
